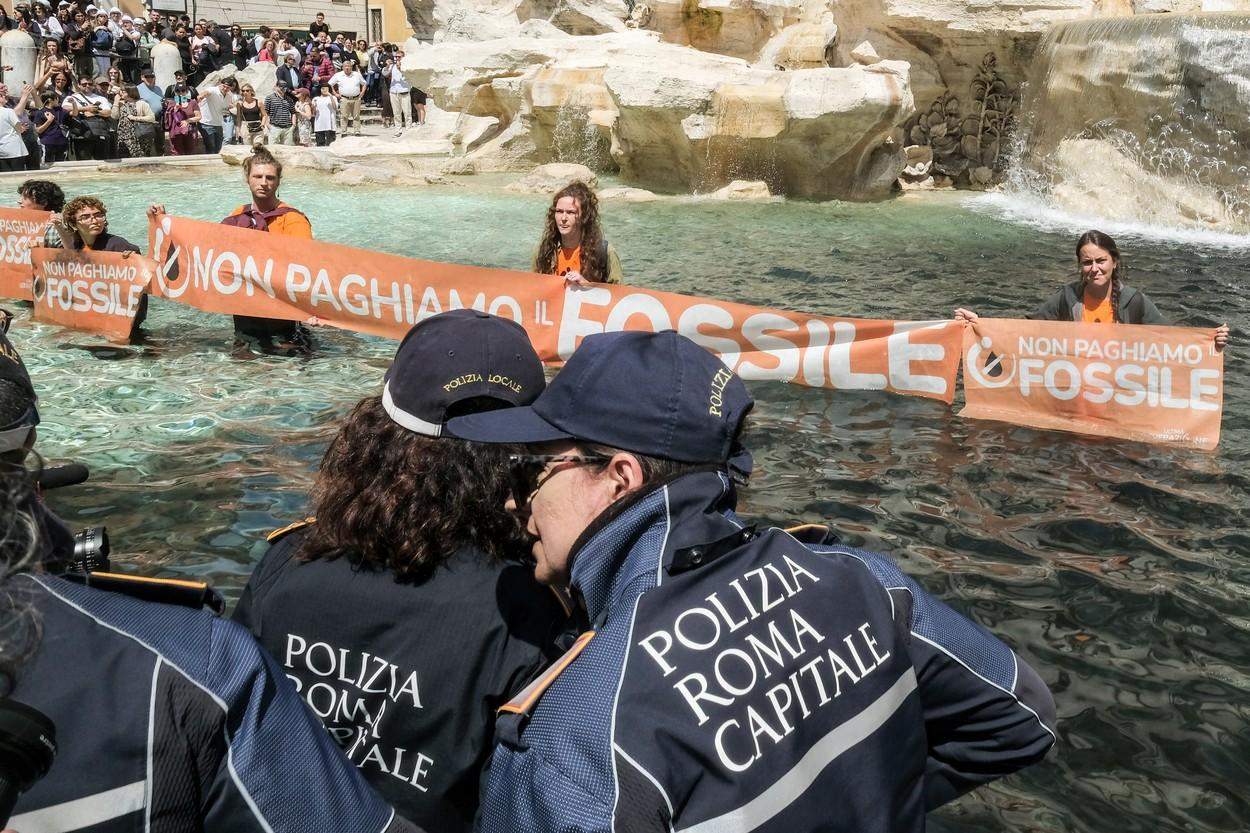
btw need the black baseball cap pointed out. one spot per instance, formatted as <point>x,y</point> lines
<point>457,356</point>
<point>657,394</point>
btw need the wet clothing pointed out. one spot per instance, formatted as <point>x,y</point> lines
<point>106,242</point>
<point>1068,305</point>
<point>735,680</point>
<point>418,670</point>
<point>283,220</point>
<point>571,260</point>
<point>172,720</point>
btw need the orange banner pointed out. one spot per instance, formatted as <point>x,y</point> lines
<point>99,292</point>
<point>238,271</point>
<point>20,231</point>
<point>1147,383</point>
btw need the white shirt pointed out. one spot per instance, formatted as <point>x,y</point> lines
<point>87,100</point>
<point>323,109</point>
<point>213,107</point>
<point>350,85</point>
<point>399,84</point>
<point>11,146</point>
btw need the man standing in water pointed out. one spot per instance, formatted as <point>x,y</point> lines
<point>263,174</point>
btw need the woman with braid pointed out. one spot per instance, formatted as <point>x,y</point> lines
<point>1100,295</point>
<point>573,244</point>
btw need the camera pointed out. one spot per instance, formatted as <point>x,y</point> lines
<point>27,749</point>
<point>91,551</point>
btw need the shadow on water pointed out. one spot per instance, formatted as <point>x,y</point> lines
<point>1120,571</point>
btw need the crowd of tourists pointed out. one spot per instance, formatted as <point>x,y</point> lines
<point>95,94</point>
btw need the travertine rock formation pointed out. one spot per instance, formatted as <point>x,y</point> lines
<point>673,117</point>
<point>814,97</point>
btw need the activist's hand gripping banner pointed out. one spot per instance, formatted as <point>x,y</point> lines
<point>1148,383</point>
<point>20,231</point>
<point>242,272</point>
<point>99,292</point>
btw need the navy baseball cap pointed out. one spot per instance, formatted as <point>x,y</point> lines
<point>456,356</point>
<point>657,394</point>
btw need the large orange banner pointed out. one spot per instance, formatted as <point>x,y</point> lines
<point>99,292</point>
<point>20,231</point>
<point>1148,383</point>
<point>238,271</point>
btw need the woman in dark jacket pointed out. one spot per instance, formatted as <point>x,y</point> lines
<point>403,579</point>
<point>1100,295</point>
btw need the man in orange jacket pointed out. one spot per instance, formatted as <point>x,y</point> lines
<point>266,212</point>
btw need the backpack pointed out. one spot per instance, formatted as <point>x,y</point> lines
<point>124,46</point>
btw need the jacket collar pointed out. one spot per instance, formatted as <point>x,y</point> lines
<point>1076,301</point>
<point>638,536</point>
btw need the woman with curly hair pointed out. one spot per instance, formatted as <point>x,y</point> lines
<point>397,611</point>
<point>1099,295</point>
<point>573,245</point>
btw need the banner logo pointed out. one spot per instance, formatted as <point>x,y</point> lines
<point>988,369</point>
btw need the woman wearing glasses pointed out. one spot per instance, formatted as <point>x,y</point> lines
<point>85,226</point>
<point>397,611</point>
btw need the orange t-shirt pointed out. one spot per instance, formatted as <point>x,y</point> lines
<point>291,224</point>
<point>568,260</point>
<point>1097,312</point>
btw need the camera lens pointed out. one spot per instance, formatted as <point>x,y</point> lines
<point>91,550</point>
<point>27,749</point>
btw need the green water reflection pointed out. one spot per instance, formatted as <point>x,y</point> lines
<point>1119,570</point>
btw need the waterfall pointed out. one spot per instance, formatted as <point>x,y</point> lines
<point>1140,120</point>
<point>575,138</point>
<point>740,136</point>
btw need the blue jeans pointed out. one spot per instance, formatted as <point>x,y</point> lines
<point>213,136</point>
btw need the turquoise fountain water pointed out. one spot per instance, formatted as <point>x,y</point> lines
<point>1119,570</point>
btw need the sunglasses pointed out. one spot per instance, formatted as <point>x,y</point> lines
<point>525,472</point>
<point>6,318</point>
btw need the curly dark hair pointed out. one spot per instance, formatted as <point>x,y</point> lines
<point>45,193</point>
<point>392,499</point>
<point>19,625</point>
<point>1103,241</point>
<point>594,261</point>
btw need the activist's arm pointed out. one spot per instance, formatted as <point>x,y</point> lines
<point>1052,309</point>
<point>987,713</point>
<point>1149,312</point>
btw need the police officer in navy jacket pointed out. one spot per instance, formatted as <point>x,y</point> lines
<point>396,611</point>
<point>727,678</point>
